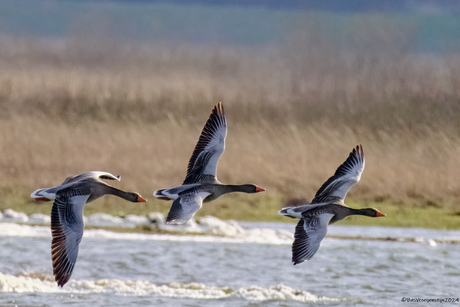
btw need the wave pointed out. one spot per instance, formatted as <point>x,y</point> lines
<point>207,229</point>
<point>212,229</point>
<point>39,283</point>
<point>258,236</point>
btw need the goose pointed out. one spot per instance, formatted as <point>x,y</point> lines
<point>48,194</point>
<point>326,208</point>
<point>201,184</point>
<point>67,215</point>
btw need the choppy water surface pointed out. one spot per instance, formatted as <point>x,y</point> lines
<point>247,267</point>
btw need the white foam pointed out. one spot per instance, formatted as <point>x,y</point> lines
<point>208,225</point>
<point>38,218</point>
<point>213,225</point>
<point>21,230</point>
<point>27,284</point>
<point>212,229</point>
<point>102,219</point>
<point>156,218</point>
<point>100,233</point>
<point>17,230</point>
<point>9,215</point>
<point>279,293</point>
<point>137,220</point>
<point>189,226</point>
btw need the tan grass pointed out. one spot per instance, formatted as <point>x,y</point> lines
<point>138,114</point>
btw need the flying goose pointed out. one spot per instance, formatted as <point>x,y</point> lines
<point>48,194</point>
<point>326,208</point>
<point>67,215</point>
<point>201,184</point>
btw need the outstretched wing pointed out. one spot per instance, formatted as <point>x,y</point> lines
<point>67,232</point>
<point>309,233</point>
<point>345,177</point>
<point>185,207</point>
<point>209,148</point>
<point>91,174</point>
<point>46,194</point>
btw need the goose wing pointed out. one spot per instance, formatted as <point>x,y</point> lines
<point>345,177</point>
<point>91,174</point>
<point>67,232</point>
<point>309,233</point>
<point>45,194</point>
<point>185,207</point>
<point>209,148</point>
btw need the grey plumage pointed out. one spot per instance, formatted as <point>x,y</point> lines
<point>67,216</point>
<point>326,208</point>
<point>201,184</point>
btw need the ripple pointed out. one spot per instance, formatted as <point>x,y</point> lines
<point>30,283</point>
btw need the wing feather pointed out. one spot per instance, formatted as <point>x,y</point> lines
<point>309,233</point>
<point>345,177</point>
<point>185,207</point>
<point>67,232</point>
<point>91,174</point>
<point>209,148</point>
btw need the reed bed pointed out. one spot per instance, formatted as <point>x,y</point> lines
<point>293,117</point>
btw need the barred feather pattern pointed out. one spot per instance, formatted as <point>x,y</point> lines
<point>345,177</point>
<point>67,232</point>
<point>200,164</point>
<point>209,147</point>
<point>309,233</point>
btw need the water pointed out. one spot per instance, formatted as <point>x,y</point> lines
<point>249,266</point>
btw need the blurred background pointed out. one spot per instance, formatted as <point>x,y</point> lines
<point>126,87</point>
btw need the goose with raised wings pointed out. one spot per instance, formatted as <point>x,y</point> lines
<point>201,184</point>
<point>326,208</point>
<point>67,215</point>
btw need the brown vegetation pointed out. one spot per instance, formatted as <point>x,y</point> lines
<point>293,115</point>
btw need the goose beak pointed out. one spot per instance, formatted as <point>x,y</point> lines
<point>141,199</point>
<point>380,214</point>
<point>259,189</point>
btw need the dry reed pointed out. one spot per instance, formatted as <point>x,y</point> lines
<point>137,112</point>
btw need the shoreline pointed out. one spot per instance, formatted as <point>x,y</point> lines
<point>248,232</point>
<point>259,210</point>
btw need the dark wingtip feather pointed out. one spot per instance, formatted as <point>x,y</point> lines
<point>358,151</point>
<point>175,215</point>
<point>215,120</point>
<point>300,250</point>
<point>62,267</point>
<point>218,109</point>
<point>356,156</point>
<point>297,261</point>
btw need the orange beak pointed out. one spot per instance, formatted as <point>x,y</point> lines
<point>380,214</point>
<point>141,199</point>
<point>259,189</point>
